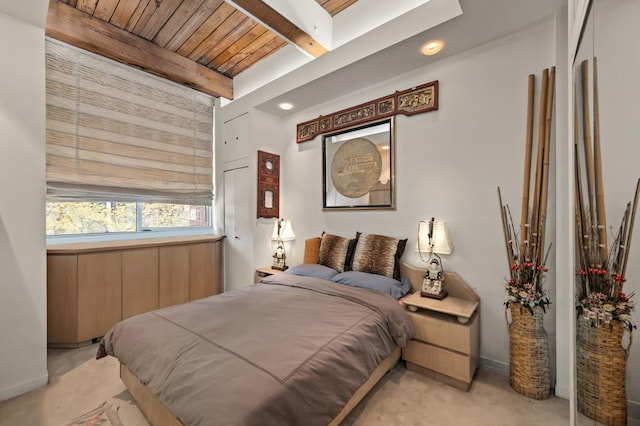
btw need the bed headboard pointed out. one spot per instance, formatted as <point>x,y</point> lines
<point>453,282</point>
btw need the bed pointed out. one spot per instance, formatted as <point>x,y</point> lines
<point>292,349</point>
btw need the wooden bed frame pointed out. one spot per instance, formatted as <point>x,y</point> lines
<point>158,414</point>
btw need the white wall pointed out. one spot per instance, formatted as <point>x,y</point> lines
<point>449,164</point>
<point>616,45</point>
<point>23,330</point>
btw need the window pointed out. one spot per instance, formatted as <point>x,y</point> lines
<point>127,152</point>
<point>98,217</point>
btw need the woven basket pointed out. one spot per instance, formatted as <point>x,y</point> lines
<point>529,352</point>
<point>601,361</point>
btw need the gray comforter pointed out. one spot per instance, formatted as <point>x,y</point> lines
<point>291,350</point>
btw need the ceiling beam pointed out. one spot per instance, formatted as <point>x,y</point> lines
<point>276,22</point>
<point>70,25</point>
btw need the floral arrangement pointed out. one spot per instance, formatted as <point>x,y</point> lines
<point>601,275</point>
<point>601,300</point>
<point>525,286</point>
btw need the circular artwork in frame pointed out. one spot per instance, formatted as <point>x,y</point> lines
<point>356,167</point>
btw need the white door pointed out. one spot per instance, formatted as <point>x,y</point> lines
<point>238,254</point>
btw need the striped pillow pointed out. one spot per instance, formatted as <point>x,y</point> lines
<point>379,254</point>
<point>333,251</point>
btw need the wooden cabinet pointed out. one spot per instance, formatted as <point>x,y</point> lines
<point>447,334</point>
<point>93,286</point>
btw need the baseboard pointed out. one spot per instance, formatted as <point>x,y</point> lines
<point>633,409</point>
<point>498,367</point>
<point>24,387</point>
<point>562,392</point>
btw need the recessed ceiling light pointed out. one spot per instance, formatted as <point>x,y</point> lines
<point>285,106</point>
<point>432,47</point>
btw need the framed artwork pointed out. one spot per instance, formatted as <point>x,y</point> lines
<point>268,185</point>
<point>359,167</point>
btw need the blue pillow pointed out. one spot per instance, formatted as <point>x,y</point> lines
<point>312,270</point>
<point>375,282</point>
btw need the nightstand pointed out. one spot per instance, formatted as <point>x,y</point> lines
<point>265,271</point>
<point>446,344</point>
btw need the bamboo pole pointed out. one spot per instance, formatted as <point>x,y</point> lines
<point>588,150</point>
<point>526,182</point>
<point>533,232</point>
<point>622,239</point>
<point>627,243</point>
<point>505,228</point>
<point>598,178</point>
<point>545,164</point>
<point>580,213</point>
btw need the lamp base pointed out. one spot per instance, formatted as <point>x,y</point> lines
<point>438,296</point>
<point>280,268</point>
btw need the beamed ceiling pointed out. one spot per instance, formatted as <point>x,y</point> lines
<point>199,43</point>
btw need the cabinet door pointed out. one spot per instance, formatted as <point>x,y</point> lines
<point>238,227</point>
<point>99,293</point>
<point>173,285</point>
<point>235,138</point>
<point>62,298</point>
<point>139,281</point>
<point>201,277</point>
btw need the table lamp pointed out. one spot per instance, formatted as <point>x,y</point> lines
<point>282,231</point>
<point>433,238</point>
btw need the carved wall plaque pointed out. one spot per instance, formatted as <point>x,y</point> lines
<point>416,100</point>
<point>268,184</point>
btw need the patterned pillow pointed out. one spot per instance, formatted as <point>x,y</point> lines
<point>379,254</point>
<point>333,251</point>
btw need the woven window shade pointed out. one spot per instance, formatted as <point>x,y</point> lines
<point>118,133</point>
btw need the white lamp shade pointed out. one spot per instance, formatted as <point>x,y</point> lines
<point>440,240</point>
<point>286,231</point>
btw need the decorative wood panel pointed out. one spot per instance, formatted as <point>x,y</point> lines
<point>268,184</point>
<point>416,100</point>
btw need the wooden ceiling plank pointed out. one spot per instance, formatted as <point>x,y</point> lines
<point>72,26</point>
<point>180,17</point>
<point>105,9</point>
<point>273,20</point>
<point>123,13</point>
<point>266,50</point>
<point>205,30</point>
<point>71,2</point>
<point>87,6</point>
<point>217,35</point>
<point>232,43</point>
<point>248,50</point>
<point>159,18</point>
<point>335,6</point>
<point>204,11</point>
<point>135,16</point>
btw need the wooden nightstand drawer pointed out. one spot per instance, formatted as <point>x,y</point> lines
<point>443,361</point>
<point>444,330</point>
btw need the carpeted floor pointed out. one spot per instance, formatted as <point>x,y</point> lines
<point>78,384</point>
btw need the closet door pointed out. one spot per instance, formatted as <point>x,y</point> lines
<point>238,258</point>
